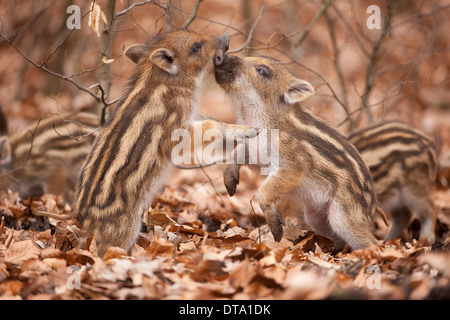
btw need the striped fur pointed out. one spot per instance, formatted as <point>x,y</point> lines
<point>318,167</point>
<point>46,156</point>
<point>131,154</point>
<point>402,161</point>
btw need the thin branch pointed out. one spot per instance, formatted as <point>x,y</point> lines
<point>61,43</point>
<point>27,157</point>
<point>336,51</point>
<point>31,20</point>
<point>71,136</point>
<point>44,68</point>
<point>213,186</point>
<point>394,94</point>
<point>252,29</point>
<point>350,29</point>
<point>168,17</point>
<point>312,23</point>
<point>196,166</point>
<point>122,13</point>
<point>257,222</point>
<point>193,15</point>
<point>228,26</point>
<point>373,60</point>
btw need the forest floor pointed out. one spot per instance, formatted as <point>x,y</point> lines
<point>203,244</point>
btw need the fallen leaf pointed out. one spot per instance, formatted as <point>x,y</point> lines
<point>55,263</point>
<point>115,252</point>
<point>21,251</point>
<point>438,260</point>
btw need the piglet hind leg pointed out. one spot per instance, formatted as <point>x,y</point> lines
<point>427,214</point>
<point>400,217</point>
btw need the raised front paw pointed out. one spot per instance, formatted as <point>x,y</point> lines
<point>231,178</point>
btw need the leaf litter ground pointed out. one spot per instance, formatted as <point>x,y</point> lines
<point>198,243</point>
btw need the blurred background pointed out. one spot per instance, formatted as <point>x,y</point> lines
<point>367,64</point>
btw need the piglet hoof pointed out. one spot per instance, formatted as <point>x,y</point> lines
<point>231,178</point>
<point>275,221</point>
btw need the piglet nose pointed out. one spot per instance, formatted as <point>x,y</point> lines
<point>218,57</point>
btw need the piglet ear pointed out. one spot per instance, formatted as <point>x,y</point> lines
<point>135,52</point>
<point>165,60</point>
<point>298,91</point>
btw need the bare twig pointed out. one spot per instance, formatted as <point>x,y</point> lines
<point>197,166</point>
<point>31,20</point>
<point>213,186</point>
<point>193,15</point>
<point>252,29</point>
<point>336,51</point>
<point>61,43</point>
<point>373,60</point>
<point>396,93</point>
<point>350,30</point>
<point>27,157</point>
<point>122,13</point>
<point>44,68</point>
<point>71,136</point>
<point>228,26</point>
<point>257,222</point>
<point>168,16</point>
<point>312,23</point>
<point>53,215</point>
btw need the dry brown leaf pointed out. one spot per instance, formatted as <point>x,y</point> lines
<point>208,270</point>
<point>21,251</point>
<point>2,226</point>
<point>275,273</point>
<point>51,253</point>
<point>153,218</point>
<point>115,252</point>
<point>243,274</point>
<point>186,229</point>
<point>55,263</point>
<point>3,272</point>
<point>307,285</point>
<point>322,263</point>
<point>438,260</point>
<point>186,246</point>
<point>95,16</point>
<point>11,287</point>
<point>76,235</point>
<point>80,257</point>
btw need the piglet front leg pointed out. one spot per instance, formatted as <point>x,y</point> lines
<point>268,197</point>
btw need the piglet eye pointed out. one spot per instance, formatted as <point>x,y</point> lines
<point>196,48</point>
<point>263,71</point>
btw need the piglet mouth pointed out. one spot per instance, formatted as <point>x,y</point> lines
<point>225,72</point>
<point>223,75</point>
